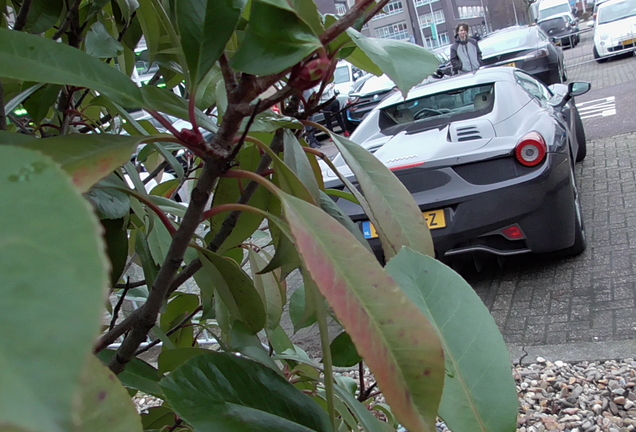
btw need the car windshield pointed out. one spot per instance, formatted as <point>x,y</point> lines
<point>554,10</point>
<point>341,75</point>
<point>616,11</point>
<point>504,42</point>
<point>553,23</point>
<point>452,105</point>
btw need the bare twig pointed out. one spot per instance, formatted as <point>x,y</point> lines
<point>120,302</point>
<point>19,124</point>
<point>21,19</point>
<point>129,284</point>
<point>361,376</point>
<point>155,172</point>
<point>169,332</point>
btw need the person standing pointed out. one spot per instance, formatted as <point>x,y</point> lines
<point>465,55</point>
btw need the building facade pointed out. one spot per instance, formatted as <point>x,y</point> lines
<point>429,23</point>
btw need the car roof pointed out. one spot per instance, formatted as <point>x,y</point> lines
<point>609,3</point>
<point>482,76</point>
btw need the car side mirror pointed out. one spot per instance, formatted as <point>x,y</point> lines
<point>553,40</point>
<point>336,92</point>
<point>578,88</point>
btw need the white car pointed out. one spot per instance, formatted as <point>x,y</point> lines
<point>615,29</point>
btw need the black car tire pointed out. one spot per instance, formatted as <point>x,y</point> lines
<point>597,58</point>
<point>580,238</point>
<point>580,137</point>
<point>564,73</point>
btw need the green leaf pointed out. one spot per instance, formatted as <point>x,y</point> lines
<point>86,158</point>
<point>138,374</point>
<point>158,417</point>
<point>301,309</point>
<point>151,27</point>
<point>151,270</point>
<point>401,349</point>
<point>33,58</point>
<point>100,44</point>
<point>270,47</point>
<point>43,14</point>
<point>205,27</point>
<point>367,420</point>
<point>296,159</point>
<point>39,104</point>
<point>309,13</point>
<point>170,360</point>
<point>391,208</point>
<point>179,307</point>
<point>127,7</point>
<point>159,240</point>
<point>343,351</point>
<point>116,238</point>
<point>103,403</point>
<point>235,288</point>
<point>229,191</point>
<point>331,208</point>
<point>109,202</point>
<point>267,286</point>
<point>221,392</point>
<point>479,392</point>
<point>243,341</point>
<point>165,101</point>
<point>57,269</point>
<point>405,63</point>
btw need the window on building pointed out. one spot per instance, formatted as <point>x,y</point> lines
<point>442,39</point>
<point>437,17</point>
<point>397,31</point>
<point>394,7</point>
<point>341,9</point>
<point>424,2</point>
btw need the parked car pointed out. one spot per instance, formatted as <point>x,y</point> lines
<point>615,29</point>
<point>562,30</point>
<point>366,97</point>
<point>527,48</point>
<point>443,55</point>
<point>488,157</point>
<point>550,8</point>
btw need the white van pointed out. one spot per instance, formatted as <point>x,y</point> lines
<point>548,8</point>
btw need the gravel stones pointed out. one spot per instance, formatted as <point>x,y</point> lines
<point>582,397</point>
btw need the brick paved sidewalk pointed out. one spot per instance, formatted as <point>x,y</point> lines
<point>590,298</point>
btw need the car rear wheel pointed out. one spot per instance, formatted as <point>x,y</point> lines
<point>564,74</point>
<point>580,239</point>
<point>598,58</point>
<point>580,137</point>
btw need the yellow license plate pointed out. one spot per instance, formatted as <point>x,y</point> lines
<point>435,219</point>
<point>628,42</point>
<point>513,64</point>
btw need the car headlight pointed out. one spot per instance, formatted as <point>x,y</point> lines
<point>536,54</point>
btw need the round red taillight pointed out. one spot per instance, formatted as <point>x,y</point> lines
<point>531,150</point>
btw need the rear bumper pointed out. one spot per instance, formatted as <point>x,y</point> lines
<point>540,203</point>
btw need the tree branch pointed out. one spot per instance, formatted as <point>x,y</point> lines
<point>349,19</point>
<point>21,19</point>
<point>147,317</point>
<point>70,16</point>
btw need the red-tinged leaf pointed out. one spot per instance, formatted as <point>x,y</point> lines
<point>86,158</point>
<point>387,202</point>
<point>394,337</point>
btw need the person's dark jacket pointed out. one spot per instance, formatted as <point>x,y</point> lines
<point>465,56</point>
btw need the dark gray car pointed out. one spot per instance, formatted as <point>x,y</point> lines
<point>488,157</point>
<point>527,48</point>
